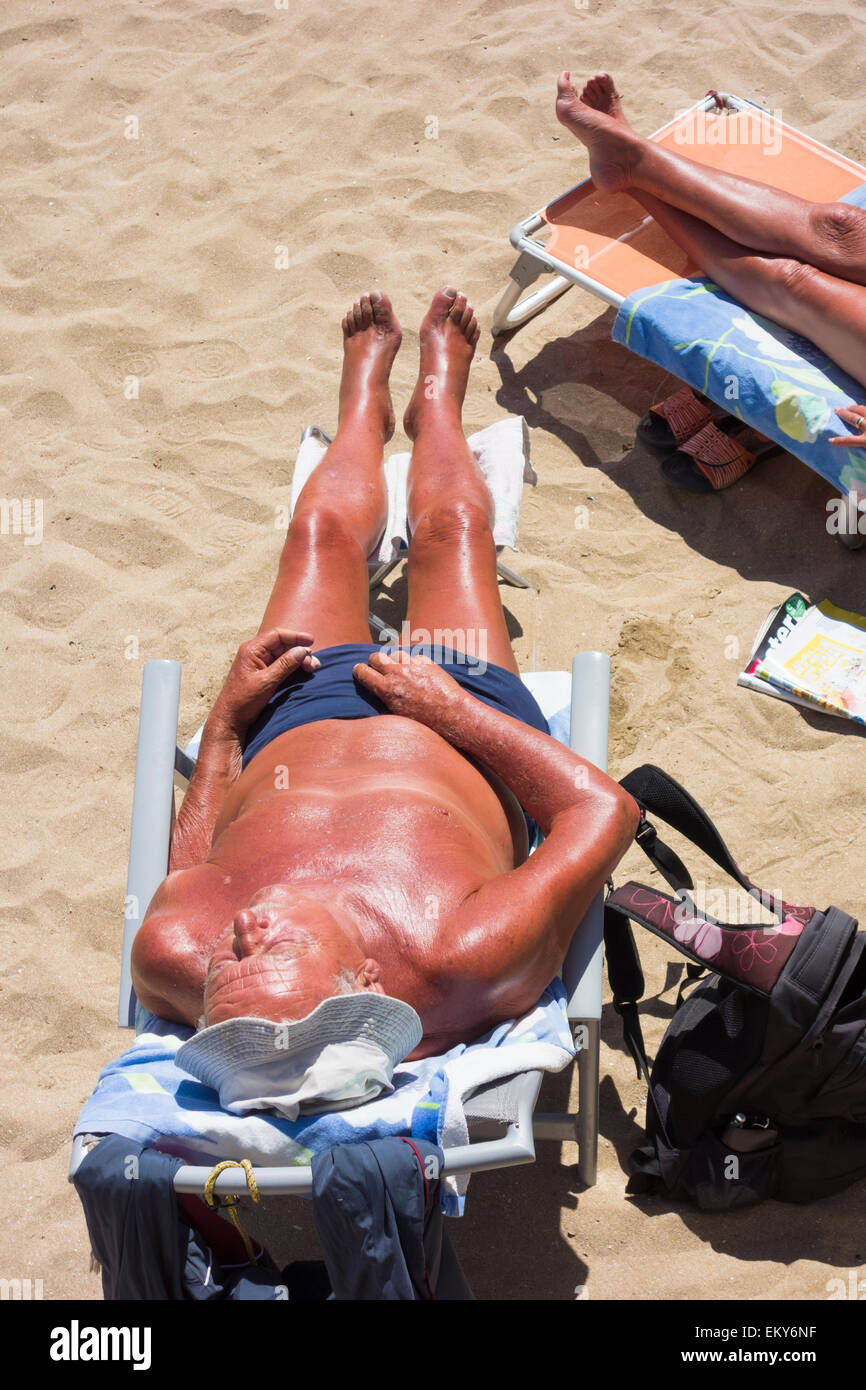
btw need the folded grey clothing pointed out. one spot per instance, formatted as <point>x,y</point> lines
<point>380,1225</point>
<point>340,1055</point>
<point>146,1246</point>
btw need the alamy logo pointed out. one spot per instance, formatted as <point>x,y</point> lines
<point>77,1343</point>
<point>750,126</point>
<point>853,1288</point>
<point>463,646</point>
<point>22,516</point>
<point>24,1289</point>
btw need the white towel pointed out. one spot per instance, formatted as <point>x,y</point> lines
<point>502,451</point>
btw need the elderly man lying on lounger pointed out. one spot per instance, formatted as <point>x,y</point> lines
<point>801,264</point>
<point>329,869</point>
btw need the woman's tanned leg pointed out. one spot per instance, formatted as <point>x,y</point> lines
<point>828,309</point>
<point>829,236</point>
<point>321,585</point>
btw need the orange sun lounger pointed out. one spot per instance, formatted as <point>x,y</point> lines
<point>608,244</point>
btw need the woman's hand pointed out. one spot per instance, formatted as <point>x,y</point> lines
<point>257,672</point>
<point>415,687</point>
<point>855,416</point>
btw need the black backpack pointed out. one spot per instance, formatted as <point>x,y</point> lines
<point>759,1086</point>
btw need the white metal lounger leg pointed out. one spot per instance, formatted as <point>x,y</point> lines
<point>509,313</point>
<point>511,578</point>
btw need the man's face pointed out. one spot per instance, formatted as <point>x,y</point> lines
<point>281,957</point>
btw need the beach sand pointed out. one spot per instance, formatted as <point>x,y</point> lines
<point>160,356</point>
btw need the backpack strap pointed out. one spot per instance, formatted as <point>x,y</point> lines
<point>659,794</point>
<point>751,954</point>
<point>627,984</point>
<point>669,864</point>
<point>626,979</point>
<point>693,974</point>
<point>828,954</point>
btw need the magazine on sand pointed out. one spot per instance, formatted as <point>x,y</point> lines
<point>813,655</point>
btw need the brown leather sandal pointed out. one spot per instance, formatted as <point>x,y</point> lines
<point>712,459</point>
<point>667,425</point>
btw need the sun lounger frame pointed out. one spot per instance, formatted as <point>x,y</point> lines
<point>516,307</point>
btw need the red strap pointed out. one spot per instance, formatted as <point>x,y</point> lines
<point>414,1149</point>
<point>721,459</point>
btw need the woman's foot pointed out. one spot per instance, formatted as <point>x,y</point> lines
<point>371,337</point>
<point>612,144</point>
<point>449,333</point>
<point>600,93</point>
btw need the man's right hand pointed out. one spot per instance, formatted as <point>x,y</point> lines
<point>257,672</point>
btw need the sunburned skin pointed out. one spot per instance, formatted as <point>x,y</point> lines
<point>389,853</point>
<point>383,831</point>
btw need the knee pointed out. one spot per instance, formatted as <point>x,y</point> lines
<point>322,528</point>
<point>838,226</point>
<point>453,521</point>
<point>790,278</point>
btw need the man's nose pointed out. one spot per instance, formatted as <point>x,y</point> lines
<point>249,932</point>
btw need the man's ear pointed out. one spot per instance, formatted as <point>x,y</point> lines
<point>368,976</point>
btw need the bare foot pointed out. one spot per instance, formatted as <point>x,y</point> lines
<point>449,333</point>
<point>600,93</point>
<point>611,142</point>
<point>371,337</point>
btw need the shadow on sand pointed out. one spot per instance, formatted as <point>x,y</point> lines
<point>770,526</point>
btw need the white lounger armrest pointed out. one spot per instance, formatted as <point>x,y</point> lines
<point>152,802</point>
<point>590,705</point>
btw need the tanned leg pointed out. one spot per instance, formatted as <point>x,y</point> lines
<point>829,310</point>
<point>321,585</point>
<point>829,236</point>
<point>453,586</point>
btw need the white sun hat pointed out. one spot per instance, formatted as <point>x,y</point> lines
<point>340,1055</point>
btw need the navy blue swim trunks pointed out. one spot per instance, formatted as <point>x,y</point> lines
<point>333,693</point>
